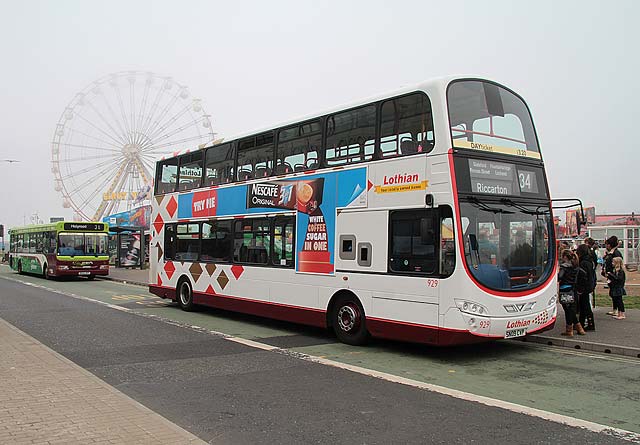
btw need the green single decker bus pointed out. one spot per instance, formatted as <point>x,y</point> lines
<point>60,249</point>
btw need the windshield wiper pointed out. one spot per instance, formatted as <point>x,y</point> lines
<point>483,206</point>
<point>523,209</point>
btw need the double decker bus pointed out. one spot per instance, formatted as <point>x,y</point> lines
<point>422,215</point>
<point>60,249</point>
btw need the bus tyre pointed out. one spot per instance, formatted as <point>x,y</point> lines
<point>348,321</point>
<point>19,266</point>
<point>185,295</point>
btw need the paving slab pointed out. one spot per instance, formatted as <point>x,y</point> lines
<point>45,399</point>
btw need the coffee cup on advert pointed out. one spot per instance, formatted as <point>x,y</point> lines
<point>304,194</point>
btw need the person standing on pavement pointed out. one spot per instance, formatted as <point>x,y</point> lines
<point>611,245</point>
<point>585,286</point>
<point>617,279</point>
<point>567,280</point>
<point>593,251</point>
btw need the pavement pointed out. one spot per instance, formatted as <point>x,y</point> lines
<point>621,337</point>
<point>47,399</point>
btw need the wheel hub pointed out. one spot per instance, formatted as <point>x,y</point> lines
<point>130,150</point>
<point>184,294</point>
<point>347,318</point>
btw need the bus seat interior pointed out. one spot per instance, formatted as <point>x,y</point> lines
<point>493,277</point>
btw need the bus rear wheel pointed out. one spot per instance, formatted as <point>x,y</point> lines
<point>185,295</point>
<point>348,321</point>
<point>19,266</point>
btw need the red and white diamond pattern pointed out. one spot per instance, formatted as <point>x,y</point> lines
<point>206,279</point>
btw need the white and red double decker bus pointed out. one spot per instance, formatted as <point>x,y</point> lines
<point>421,215</point>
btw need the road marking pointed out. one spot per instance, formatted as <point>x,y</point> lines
<point>129,297</point>
<point>513,407</point>
<point>582,353</point>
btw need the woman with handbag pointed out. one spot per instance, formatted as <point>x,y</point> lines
<point>568,295</point>
<point>585,286</point>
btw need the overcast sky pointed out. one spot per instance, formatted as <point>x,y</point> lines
<point>257,63</point>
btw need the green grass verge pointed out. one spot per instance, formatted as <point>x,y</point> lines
<point>630,302</point>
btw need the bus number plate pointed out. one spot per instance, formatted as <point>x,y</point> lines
<point>84,273</point>
<point>512,333</point>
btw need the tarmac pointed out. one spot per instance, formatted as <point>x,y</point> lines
<point>47,399</point>
<point>620,337</point>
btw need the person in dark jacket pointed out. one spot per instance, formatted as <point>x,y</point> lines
<point>617,279</point>
<point>594,256</point>
<point>585,286</point>
<point>567,280</point>
<point>611,244</point>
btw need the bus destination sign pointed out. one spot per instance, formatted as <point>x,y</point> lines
<point>97,227</point>
<point>492,178</point>
<point>500,178</point>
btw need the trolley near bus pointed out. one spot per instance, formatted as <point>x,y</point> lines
<point>422,215</point>
<point>60,249</point>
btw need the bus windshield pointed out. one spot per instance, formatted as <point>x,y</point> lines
<point>485,116</point>
<point>507,246</point>
<point>73,244</point>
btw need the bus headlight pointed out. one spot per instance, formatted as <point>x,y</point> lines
<point>104,266</point>
<point>469,307</point>
<point>552,300</point>
<point>63,267</point>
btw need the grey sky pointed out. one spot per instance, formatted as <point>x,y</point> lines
<point>257,63</point>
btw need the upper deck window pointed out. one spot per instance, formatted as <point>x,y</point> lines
<point>351,136</point>
<point>219,166</point>
<point>167,175</point>
<point>407,126</point>
<point>488,117</point>
<point>190,171</point>
<point>255,156</point>
<point>298,148</point>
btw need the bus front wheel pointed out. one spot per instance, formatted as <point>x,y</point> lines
<point>185,295</point>
<point>348,321</point>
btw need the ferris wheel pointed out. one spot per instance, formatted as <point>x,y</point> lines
<point>111,134</point>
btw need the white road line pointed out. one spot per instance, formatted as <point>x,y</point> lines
<point>513,407</point>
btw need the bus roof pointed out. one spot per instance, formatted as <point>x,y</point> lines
<point>439,83</point>
<point>60,226</point>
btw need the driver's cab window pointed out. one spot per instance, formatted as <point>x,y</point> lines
<point>422,242</point>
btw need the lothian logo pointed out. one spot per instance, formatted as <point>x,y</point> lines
<point>400,178</point>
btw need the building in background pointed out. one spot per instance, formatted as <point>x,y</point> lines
<point>626,228</point>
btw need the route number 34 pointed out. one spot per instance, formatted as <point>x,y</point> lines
<point>525,180</point>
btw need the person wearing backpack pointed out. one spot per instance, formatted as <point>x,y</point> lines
<point>567,281</point>
<point>585,286</point>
